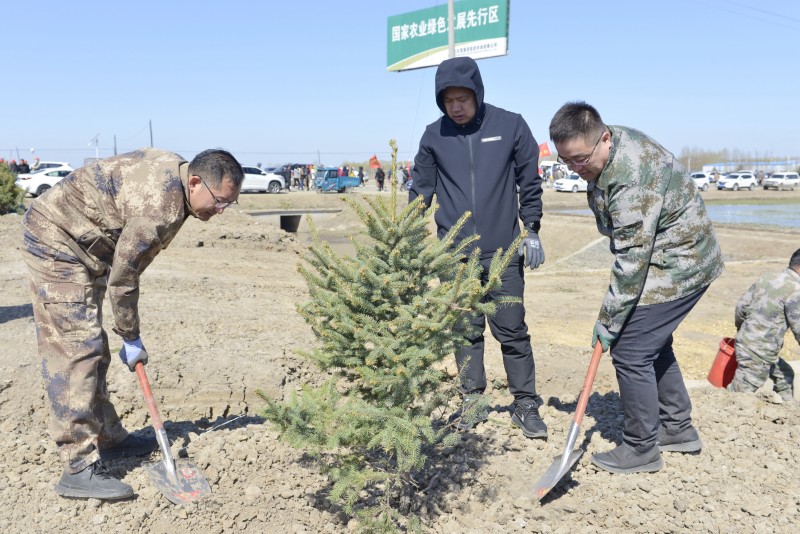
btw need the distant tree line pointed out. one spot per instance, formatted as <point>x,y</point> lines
<point>693,158</point>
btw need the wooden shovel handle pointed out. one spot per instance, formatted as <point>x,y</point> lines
<point>149,400</point>
<point>583,400</point>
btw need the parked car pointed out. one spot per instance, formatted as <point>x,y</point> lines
<point>738,180</point>
<point>328,179</point>
<point>701,180</point>
<point>572,182</point>
<point>256,180</point>
<point>782,180</point>
<point>36,183</point>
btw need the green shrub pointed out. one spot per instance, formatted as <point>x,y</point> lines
<point>10,195</point>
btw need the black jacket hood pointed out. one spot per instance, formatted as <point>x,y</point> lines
<point>459,72</point>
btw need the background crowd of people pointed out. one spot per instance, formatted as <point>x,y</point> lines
<point>23,167</point>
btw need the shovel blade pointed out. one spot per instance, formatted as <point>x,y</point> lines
<point>555,472</point>
<point>188,484</point>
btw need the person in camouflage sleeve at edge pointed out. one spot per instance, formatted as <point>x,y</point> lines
<point>763,314</point>
<point>666,255</point>
<point>96,230</point>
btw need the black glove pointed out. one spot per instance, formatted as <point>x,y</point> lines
<point>532,251</point>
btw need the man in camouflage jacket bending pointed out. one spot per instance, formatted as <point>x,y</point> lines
<point>763,314</point>
<point>96,230</point>
<point>666,255</point>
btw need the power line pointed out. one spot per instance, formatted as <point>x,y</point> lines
<point>763,11</point>
<point>740,14</point>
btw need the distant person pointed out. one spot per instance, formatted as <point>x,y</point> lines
<point>763,314</point>
<point>666,255</point>
<point>360,176</point>
<point>296,178</point>
<point>286,172</point>
<point>13,167</point>
<point>98,229</point>
<point>24,168</point>
<point>380,176</point>
<point>304,177</point>
<point>36,164</point>
<point>484,159</point>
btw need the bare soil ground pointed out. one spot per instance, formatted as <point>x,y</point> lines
<point>219,320</point>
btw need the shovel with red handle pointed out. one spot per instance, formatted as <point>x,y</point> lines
<point>180,481</point>
<point>564,462</point>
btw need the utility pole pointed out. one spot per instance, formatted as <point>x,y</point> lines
<point>151,132</point>
<point>451,30</point>
<point>115,144</point>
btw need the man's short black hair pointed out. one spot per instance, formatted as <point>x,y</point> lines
<point>794,262</point>
<point>573,120</point>
<point>214,165</point>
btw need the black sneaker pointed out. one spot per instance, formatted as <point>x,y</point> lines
<point>472,412</point>
<point>685,441</point>
<point>94,482</point>
<point>526,416</point>
<point>129,447</point>
<point>624,459</point>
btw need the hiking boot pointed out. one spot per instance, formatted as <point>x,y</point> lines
<point>526,416</point>
<point>684,441</point>
<point>624,459</point>
<point>470,414</point>
<point>129,447</point>
<point>94,482</point>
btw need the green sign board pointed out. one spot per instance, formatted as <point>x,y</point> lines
<point>419,39</point>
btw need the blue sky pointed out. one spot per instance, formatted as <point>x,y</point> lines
<point>279,81</point>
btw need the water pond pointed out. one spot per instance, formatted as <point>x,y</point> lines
<point>784,215</point>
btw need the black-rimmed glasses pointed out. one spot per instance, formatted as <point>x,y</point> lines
<point>585,161</point>
<point>218,204</point>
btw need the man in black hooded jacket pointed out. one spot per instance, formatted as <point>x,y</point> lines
<point>484,159</point>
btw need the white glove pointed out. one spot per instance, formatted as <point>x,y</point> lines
<point>133,352</point>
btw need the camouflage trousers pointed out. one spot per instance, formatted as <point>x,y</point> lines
<point>67,308</point>
<point>752,371</point>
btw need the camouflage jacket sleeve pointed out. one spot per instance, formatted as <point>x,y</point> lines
<point>154,214</point>
<point>139,243</point>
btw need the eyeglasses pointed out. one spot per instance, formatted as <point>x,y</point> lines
<point>585,161</point>
<point>218,204</point>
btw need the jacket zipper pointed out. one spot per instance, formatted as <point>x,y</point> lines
<point>472,183</point>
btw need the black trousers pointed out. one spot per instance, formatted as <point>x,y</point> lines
<point>650,382</point>
<point>509,329</point>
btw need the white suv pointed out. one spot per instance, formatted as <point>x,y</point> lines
<point>783,180</point>
<point>701,180</point>
<point>256,179</point>
<point>738,180</point>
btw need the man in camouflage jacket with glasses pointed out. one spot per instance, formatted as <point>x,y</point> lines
<point>98,229</point>
<point>666,255</point>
